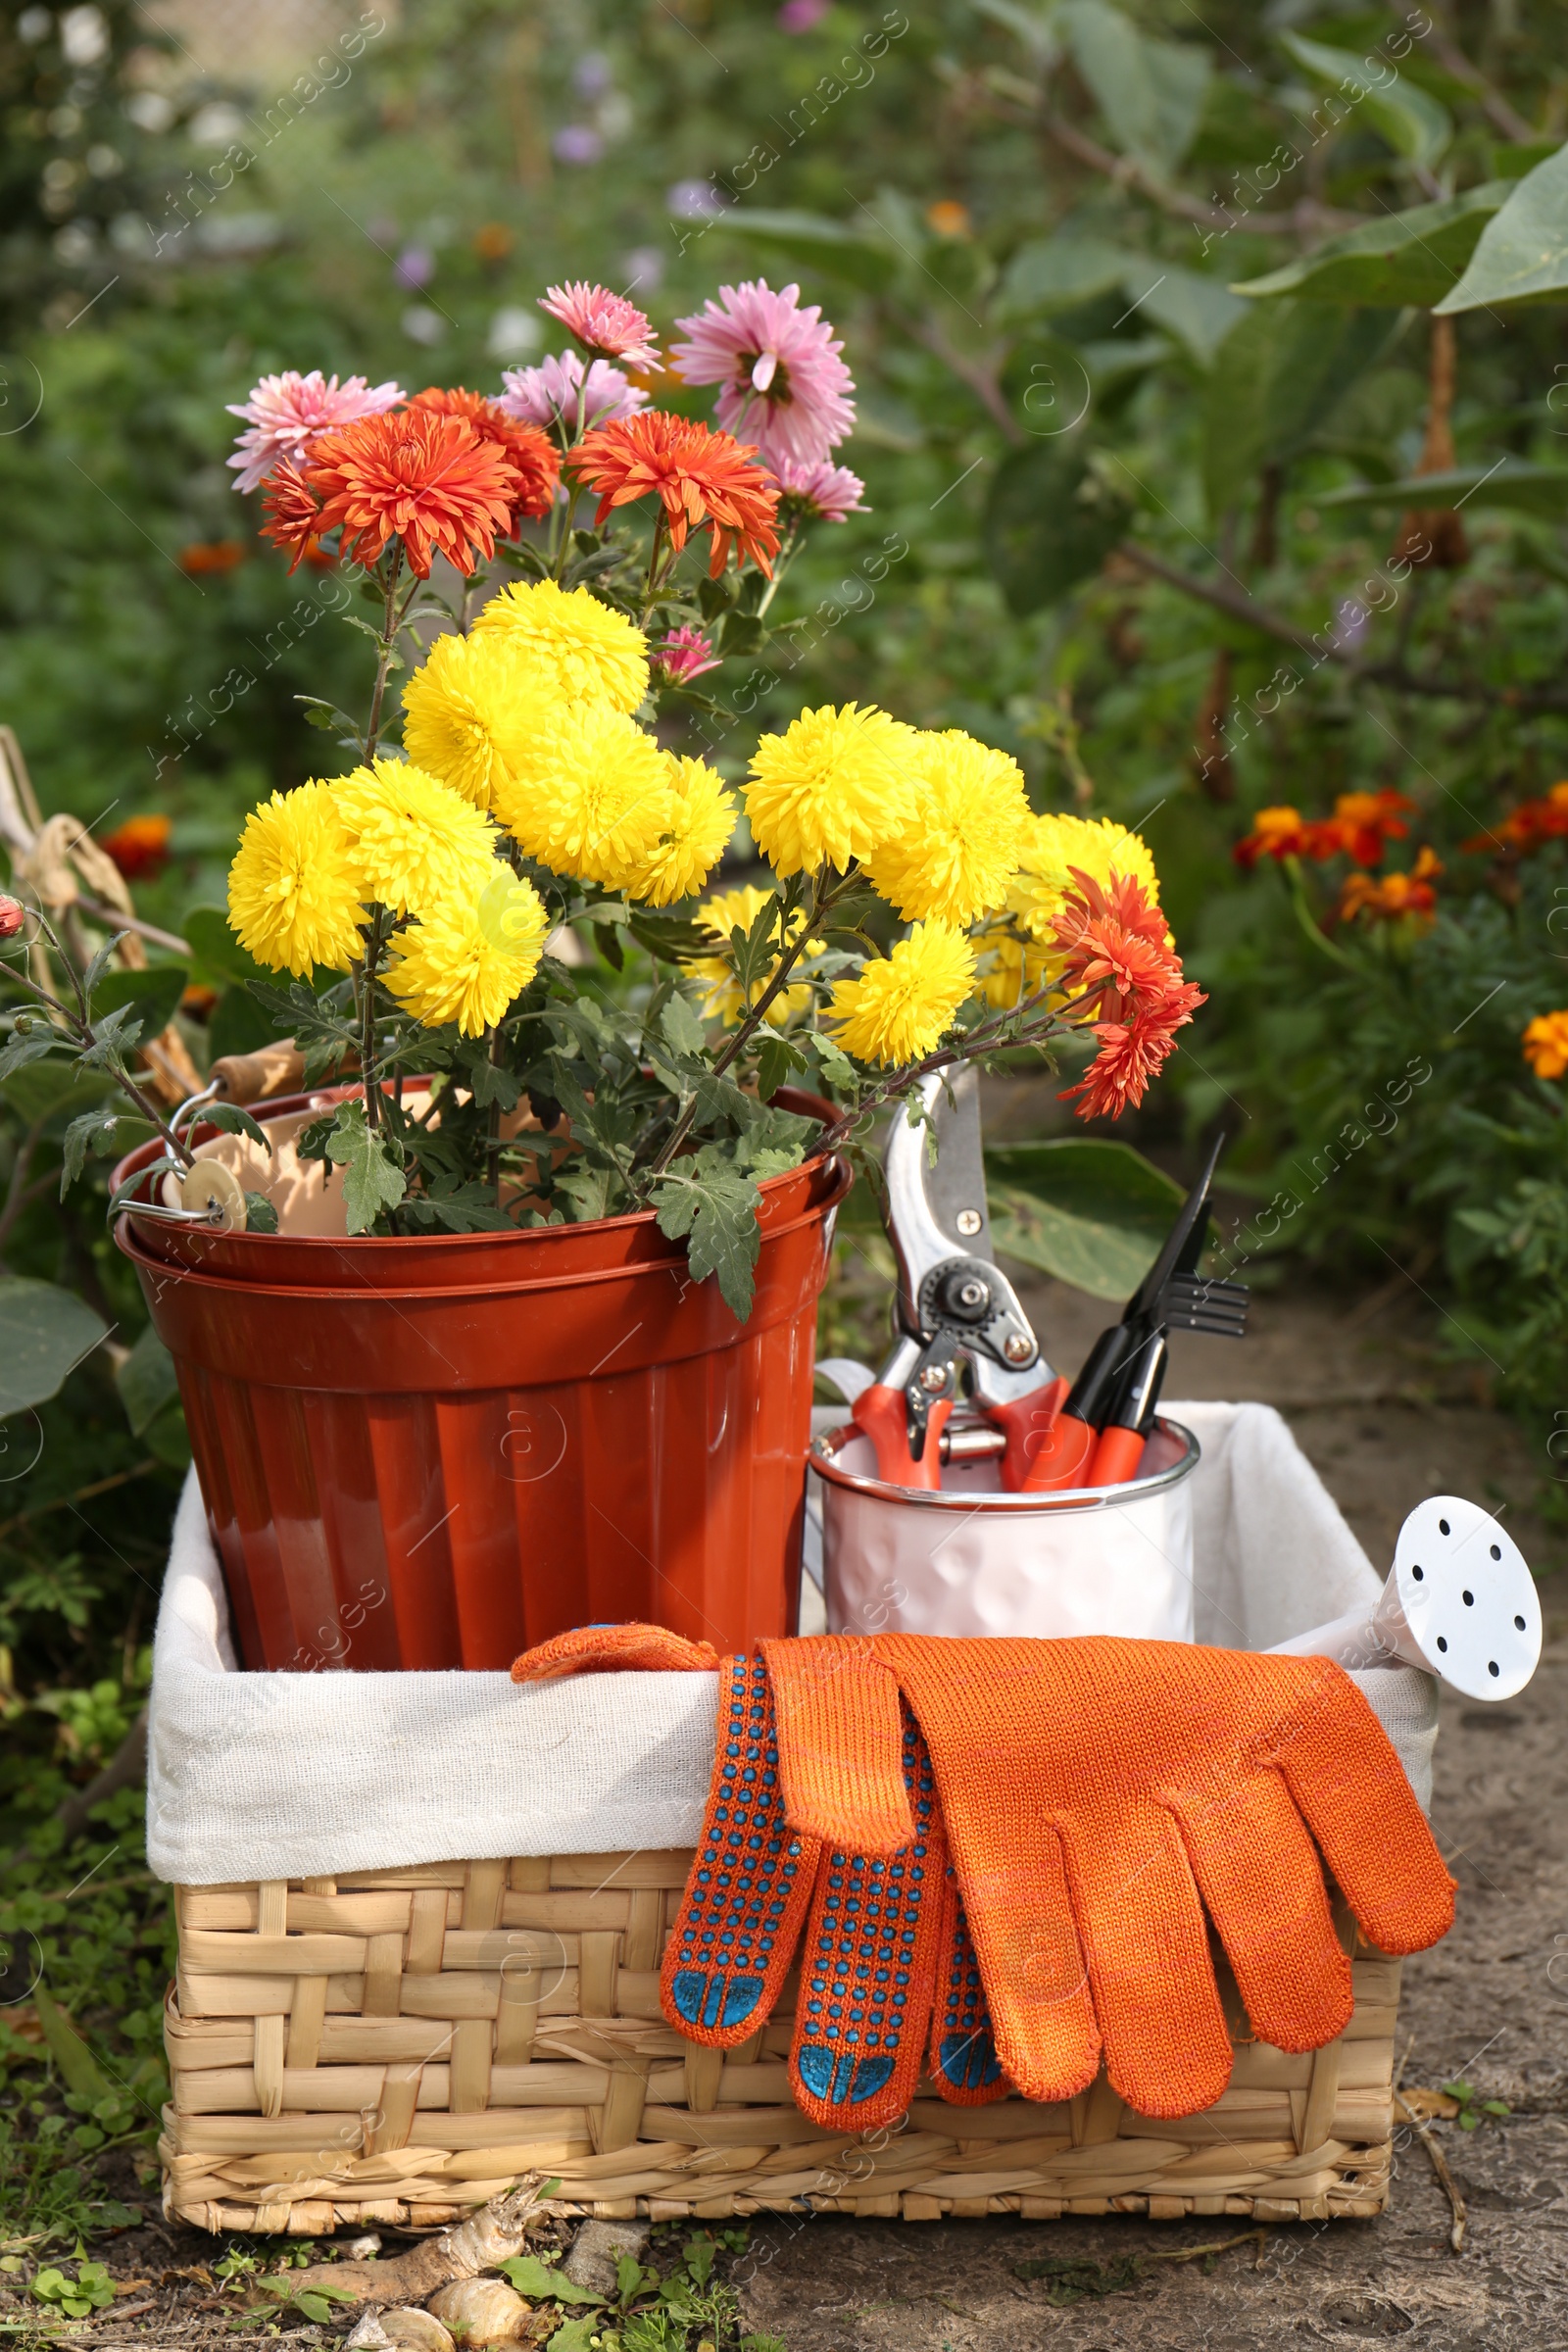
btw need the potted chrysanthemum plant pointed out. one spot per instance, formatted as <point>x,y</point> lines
<point>510,1304</point>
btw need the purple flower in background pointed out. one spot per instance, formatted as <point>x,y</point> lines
<point>694,200</point>
<point>590,76</point>
<point>818,493</point>
<point>684,655</point>
<point>415,266</point>
<point>577,143</point>
<point>799,16</point>
<point>782,382</point>
<point>550,393</point>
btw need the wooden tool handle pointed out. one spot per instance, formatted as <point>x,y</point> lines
<point>255,1077</point>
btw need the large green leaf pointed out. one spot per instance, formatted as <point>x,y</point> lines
<point>1523,254</point>
<point>44,1332</point>
<point>1407,258</point>
<point>860,258</point>
<point>152,996</point>
<point>1060,274</point>
<point>1090,1213</point>
<point>1197,309</point>
<point>1531,489</point>
<point>1151,92</point>
<point>1050,523</point>
<point>239,1024</point>
<point>216,954</point>
<point>1413,123</point>
<point>50,1091</point>
<point>146,1381</point>
<point>1277,380</point>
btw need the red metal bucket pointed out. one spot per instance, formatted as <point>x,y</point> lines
<point>435,1451</point>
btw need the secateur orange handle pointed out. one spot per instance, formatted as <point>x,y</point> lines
<point>1027,1423</point>
<point>1063,1458</point>
<point>882,1414</point>
<point>1117,1456</point>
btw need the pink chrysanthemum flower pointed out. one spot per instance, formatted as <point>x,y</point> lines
<point>286,412</point>
<point>605,323</point>
<point>684,655</point>
<point>551,394</point>
<point>819,493</point>
<point>783,384</point>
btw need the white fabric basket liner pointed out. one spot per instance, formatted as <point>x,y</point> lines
<point>288,1774</point>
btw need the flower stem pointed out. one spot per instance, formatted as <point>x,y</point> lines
<point>83,1033</point>
<point>786,553</point>
<point>372,957</point>
<point>391,622</point>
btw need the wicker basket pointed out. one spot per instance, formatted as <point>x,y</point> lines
<point>398,2045</point>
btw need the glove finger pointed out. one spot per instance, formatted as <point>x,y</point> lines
<point>730,1948</point>
<point>1167,2048</point>
<point>614,1649</point>
<point>1342,1769</point>
<point>841,1744</point>
<point>964,2061</point>
<point>1258,1873</point>
<point>868,1968</point>
<point>1020,1918</point>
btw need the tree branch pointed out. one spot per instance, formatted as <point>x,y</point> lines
<point>1304,220</point>
<point>1494,105</point>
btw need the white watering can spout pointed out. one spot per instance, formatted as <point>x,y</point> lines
<point>1459,1602</point>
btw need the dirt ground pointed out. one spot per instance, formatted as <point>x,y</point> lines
<point>1364,1387</point>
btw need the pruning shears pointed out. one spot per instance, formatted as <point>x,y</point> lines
<point>959,1321</point>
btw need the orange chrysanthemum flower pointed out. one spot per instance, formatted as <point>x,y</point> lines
<point>1119,959</point>
<point>698,477</point>
<point>1131,1052</point>
<point>430,480</point>
<point>531,452</point>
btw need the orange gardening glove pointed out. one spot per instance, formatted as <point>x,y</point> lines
<point>1098,1792</point>
<point>614,1649</point>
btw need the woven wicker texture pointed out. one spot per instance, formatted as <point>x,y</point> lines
<point>400,2045</point>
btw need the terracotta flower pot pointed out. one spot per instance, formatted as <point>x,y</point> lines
<point>434,1452</point>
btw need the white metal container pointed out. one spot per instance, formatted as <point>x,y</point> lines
<point>970,1560</point>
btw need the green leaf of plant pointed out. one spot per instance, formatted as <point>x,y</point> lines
<point>778,1060</point>
<point>859,260</point>
<point>1410,258</point>
<point>237,1024</point>
<point>79,2070</point>
<point>1197,310</point>
<point>236,1120</point>
<point>1092,1213</point>
<point>672,938</point>
<point>574,2336</point>
<point>682,1029</point>
<point>1523,254</point>
<point>41,1093</point>
<point>1276,381</point>
<point>1531,489</point>
<point>1060,273</point>
<point>373,1181</point>
<point>43,1334</point>
<point>1412,121</point>
<point>146,1381</point>
<point>1050,523</point>
<point>151,997</point>
<point>713,1204</point>
<point>216,954</point>
<point>1150,92</point>
<point>31,1045</point>
<point>95,1131</point>
<point>544,2282</point>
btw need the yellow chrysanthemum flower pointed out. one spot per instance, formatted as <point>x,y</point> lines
<point>466,961</point>
<point>293,891</point>
<point>578,647</point>
<point>834,786</point>
<point>415,843</point>
<point>726,1000</point>
<point>471,713</point>
<point>1051,848</point>
<point>596,796</point>
<point>699,821</point>
<point>958,854</point>
<point>900,1004</point>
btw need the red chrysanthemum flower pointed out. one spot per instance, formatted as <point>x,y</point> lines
<point>1131,1052</point>
<point>428,479</point>
<point>140,846</point>
<point>532,453</point>
<point>698,477</point>
<point>1116,946</point>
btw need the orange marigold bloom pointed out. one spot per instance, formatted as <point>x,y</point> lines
<point>532,452</point>
<point>698,477</point>
<point>1528,826</point>
<point>140,846</point>
<point>204,555</point>
<point>1546,1044</point>
<point>1279,832</point>
<point>1393,894</point>
<point>1365,820</point>
<point>428,479</point>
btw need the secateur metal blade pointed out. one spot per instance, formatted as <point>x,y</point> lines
<point>954,1299</point>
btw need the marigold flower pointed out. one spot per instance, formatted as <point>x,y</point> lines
<point>413,843</point>
<point>835,785</point>
<point>467,961</point>
<point>1277,832</point>
<point>603,322</point>
<point>140,846</point>
<point>471,711</point>
<point>1131,1052</point>
<point>1364,820</point>
<point>1546,1044</point>
<point>696,827</point>
<point>817,493</point>
<point>685,654</point>
<point>699,478</point>
<point>287,413</point>
<point>899,1006</point>
<point>531,453</point>
<point>430,480</point>
<point>556,394</point>
<point>205,558</point>
<point>1529,825</point>
<point>1392,896</point>
<point>781,378</point>
<point>293,893</point>
<point>726,1001</point>
<point>596,796</point>
<point>959,852</point>
<point>575,647</point>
